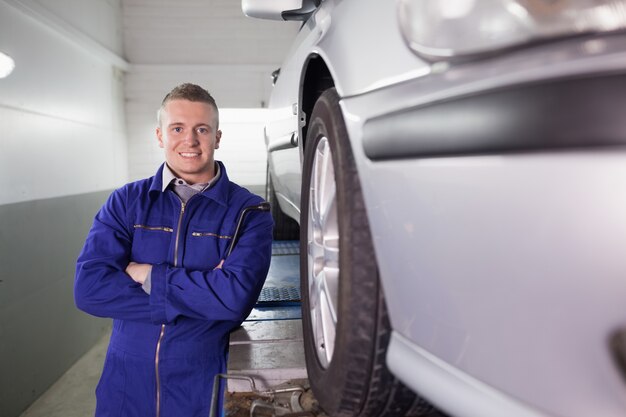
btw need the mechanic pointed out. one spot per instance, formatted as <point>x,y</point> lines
<point>154,262</point>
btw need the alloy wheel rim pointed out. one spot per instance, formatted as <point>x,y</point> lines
<point>323,252</point>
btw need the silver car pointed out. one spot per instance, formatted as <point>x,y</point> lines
<point>458,172</point>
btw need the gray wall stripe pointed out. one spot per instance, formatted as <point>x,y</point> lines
<point>41,332</point>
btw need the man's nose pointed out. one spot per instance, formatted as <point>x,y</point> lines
<point>191,137</point>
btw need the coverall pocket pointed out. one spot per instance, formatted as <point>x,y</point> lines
<point>111,389</point>
<point>151,244</point>
<point>206,247</point>
<point>127,386</point>
<point>188,385</point>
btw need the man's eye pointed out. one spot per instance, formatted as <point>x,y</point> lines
<point>203,130</point>
<point>177,129</point>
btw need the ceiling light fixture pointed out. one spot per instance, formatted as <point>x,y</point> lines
<point>6,65</point>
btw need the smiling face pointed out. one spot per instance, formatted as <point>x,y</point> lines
<point>188,131</point>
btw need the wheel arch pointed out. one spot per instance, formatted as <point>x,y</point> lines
<point>315,79</point>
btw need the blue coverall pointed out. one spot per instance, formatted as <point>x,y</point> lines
<point>167,346</point>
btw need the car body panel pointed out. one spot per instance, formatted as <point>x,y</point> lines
<point>283,157</point>
<point>504,270</point>
<point>507,267</point>
<point>521,296</point>
<point>318,36</point>
<point>381,58</point>
<point>283,125</point>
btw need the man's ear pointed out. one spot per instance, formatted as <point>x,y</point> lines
<point>218,136</point>
<point>159,135</point>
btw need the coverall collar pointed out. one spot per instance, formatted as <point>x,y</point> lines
<point>218,192</point>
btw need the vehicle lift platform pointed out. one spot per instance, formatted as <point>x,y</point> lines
<point>266,364</point>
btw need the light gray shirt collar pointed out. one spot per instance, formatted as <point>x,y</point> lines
<point>168,177</point>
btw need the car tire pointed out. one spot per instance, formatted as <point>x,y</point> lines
<point>285,228</point>
<point>345,323</point>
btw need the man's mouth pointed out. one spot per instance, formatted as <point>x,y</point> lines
<point>189,154</point>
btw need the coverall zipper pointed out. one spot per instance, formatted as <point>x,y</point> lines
<point>200,234</point>
<point>158,346</point>
<point>163,228</point>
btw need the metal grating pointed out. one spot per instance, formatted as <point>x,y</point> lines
<point>279,294</point>
<point>285,247</point>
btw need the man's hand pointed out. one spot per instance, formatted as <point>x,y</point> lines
<point>138,272</point>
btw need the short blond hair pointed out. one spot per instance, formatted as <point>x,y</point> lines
<point>190,92</point>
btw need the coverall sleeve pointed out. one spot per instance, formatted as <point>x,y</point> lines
<point>228,293</point>
<point>102,287</point>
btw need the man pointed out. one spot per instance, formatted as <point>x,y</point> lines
<point>154,262</point>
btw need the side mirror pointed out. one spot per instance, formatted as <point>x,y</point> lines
<point>279,9</point>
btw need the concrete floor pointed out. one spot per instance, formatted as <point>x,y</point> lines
<point>73,394</point>
<point>267,346</point>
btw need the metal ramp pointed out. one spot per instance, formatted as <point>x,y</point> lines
<point>269,345</point>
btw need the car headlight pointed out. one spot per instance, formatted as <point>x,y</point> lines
<point>444,29</point>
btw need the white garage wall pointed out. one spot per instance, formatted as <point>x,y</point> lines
<point>62,149</point>
<point>100,20</point>
<point>242,148</point>
<point>61,110</point>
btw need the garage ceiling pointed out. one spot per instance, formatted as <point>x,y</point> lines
<point>200,32</point>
